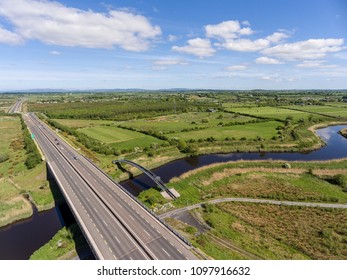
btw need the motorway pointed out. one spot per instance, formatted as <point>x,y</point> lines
<point>115,225</point>
<point>17,107</point>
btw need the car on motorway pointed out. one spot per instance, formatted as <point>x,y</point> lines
<point>75,157</point>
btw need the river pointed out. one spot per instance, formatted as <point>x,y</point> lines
<point>19,240</point>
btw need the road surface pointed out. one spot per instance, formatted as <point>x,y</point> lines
<point>115,225</point>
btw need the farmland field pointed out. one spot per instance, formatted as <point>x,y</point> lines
<point>83,123</point>
<point>275,113</point>
<point>327,110</point>
<point>178,122</point>
<point>264,130</point>
<point>120,138</point>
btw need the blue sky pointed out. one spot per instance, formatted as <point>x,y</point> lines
<point>156,44</point>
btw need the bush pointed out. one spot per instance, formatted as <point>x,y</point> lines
<point>341,180</point>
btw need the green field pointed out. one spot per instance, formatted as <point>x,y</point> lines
<point>264,130</point>
<point>274,232</point>
<point>83,123</point>
<point>15,179</point>
<point>120,138</point>
<point>327,110</point>
<point>11,143</point>
<point>275,113</point>
<point>178,122</point>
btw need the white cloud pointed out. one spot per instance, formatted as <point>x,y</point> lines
<point>8,37</point>
<point>277,37</point>
<point>228,34</point>
<point>199,47</point>
<point>304,50</point>
<point>236,67</point>
<point>277,78</point>
<point>54,53</point>
<point>315,64</point>
<point>267,60</point>
<point>227,30</point>
<point>168,62</point>
<point>172,38</point>
<point>56,24</point>
<point>245,45</point>
<point>164,64</point>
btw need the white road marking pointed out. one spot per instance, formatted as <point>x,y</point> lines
<point>146,232</point>
<point>104,222</point>
<point>117,239</point>
<point>166,252</point>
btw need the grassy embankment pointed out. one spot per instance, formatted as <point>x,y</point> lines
<point>16,180</point>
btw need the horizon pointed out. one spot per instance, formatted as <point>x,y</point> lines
<point>162,45</point>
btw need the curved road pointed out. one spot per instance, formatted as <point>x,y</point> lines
<point>253,200</point>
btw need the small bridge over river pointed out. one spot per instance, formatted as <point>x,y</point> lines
<point>166,192</point>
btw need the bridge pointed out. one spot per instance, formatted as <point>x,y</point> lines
<point>151,175</point>
<point>115,224</point>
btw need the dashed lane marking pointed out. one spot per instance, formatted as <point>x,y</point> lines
<point>166,252</point>
<point>117,239</point>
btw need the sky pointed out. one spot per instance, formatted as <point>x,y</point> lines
<point>156,44</point>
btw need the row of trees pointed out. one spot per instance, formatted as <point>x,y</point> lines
<point>116,110</point>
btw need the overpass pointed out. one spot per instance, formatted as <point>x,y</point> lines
<point>150,174</point>
<point>115,224</point>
